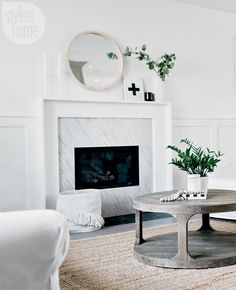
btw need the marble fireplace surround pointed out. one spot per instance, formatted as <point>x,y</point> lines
<point>61,118</point>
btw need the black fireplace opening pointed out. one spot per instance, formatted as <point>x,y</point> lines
<point>106,167</point>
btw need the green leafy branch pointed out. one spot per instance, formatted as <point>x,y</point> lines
<point>112,55</point>
<point>162,66</point>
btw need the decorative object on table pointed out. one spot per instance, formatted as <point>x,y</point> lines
<point>133,89</point>
<point>172,197</point>
<point>197,162</point>
<point>162,66</point>
<point>149,97</point>
<point>184,194</point>
<point>82,209</point>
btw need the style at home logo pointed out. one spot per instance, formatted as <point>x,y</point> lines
<point>23,22</point>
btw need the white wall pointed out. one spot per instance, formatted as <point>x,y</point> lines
<point>202,86</point>
<point>203,40</point>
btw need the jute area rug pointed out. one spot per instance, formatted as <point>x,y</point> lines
<point>107,262</point>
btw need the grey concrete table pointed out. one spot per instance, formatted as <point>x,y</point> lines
<point>205,248</point>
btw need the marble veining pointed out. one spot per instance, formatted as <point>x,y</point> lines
<point>90,132</point>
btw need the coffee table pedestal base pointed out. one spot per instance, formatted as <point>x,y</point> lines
<point>207,249</point>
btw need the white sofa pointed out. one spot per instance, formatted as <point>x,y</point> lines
<point>33,245</point>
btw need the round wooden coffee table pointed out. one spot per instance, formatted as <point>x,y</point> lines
<point>205,248</point>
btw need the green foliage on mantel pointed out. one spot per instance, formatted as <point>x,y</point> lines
<point>162,66</point>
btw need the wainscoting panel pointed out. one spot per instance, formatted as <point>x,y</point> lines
<point>21,180</point>
<point>218,134</point>
<point>14,188</point>
<point>227,144</point>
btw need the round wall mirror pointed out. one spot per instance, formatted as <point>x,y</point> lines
<point>95,60</point>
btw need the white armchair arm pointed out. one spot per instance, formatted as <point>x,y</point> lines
<point>33,245</point>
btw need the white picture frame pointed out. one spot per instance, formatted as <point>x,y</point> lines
<point>133,89</point>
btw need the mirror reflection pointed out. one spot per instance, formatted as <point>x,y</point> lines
<point>90,63</point>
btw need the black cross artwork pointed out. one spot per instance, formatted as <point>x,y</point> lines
<point>133,89</point>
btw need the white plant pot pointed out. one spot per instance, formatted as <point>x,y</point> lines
<point>195,184</point>
<point>204,185</point>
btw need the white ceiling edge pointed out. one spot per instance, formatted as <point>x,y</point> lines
<point>221,5</point>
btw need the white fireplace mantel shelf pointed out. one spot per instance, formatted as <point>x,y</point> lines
<point>158,112</point>
<point>102,101</point>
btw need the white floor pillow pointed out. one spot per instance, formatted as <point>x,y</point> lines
<point>82,209</point>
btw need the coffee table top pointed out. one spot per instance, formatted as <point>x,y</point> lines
<point>218,200</point>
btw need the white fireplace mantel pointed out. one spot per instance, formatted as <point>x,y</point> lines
<point>158,113</point>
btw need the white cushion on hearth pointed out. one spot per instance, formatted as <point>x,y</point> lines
<point>82,209</point>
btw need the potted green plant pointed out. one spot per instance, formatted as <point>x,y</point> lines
<point>197,162</point>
